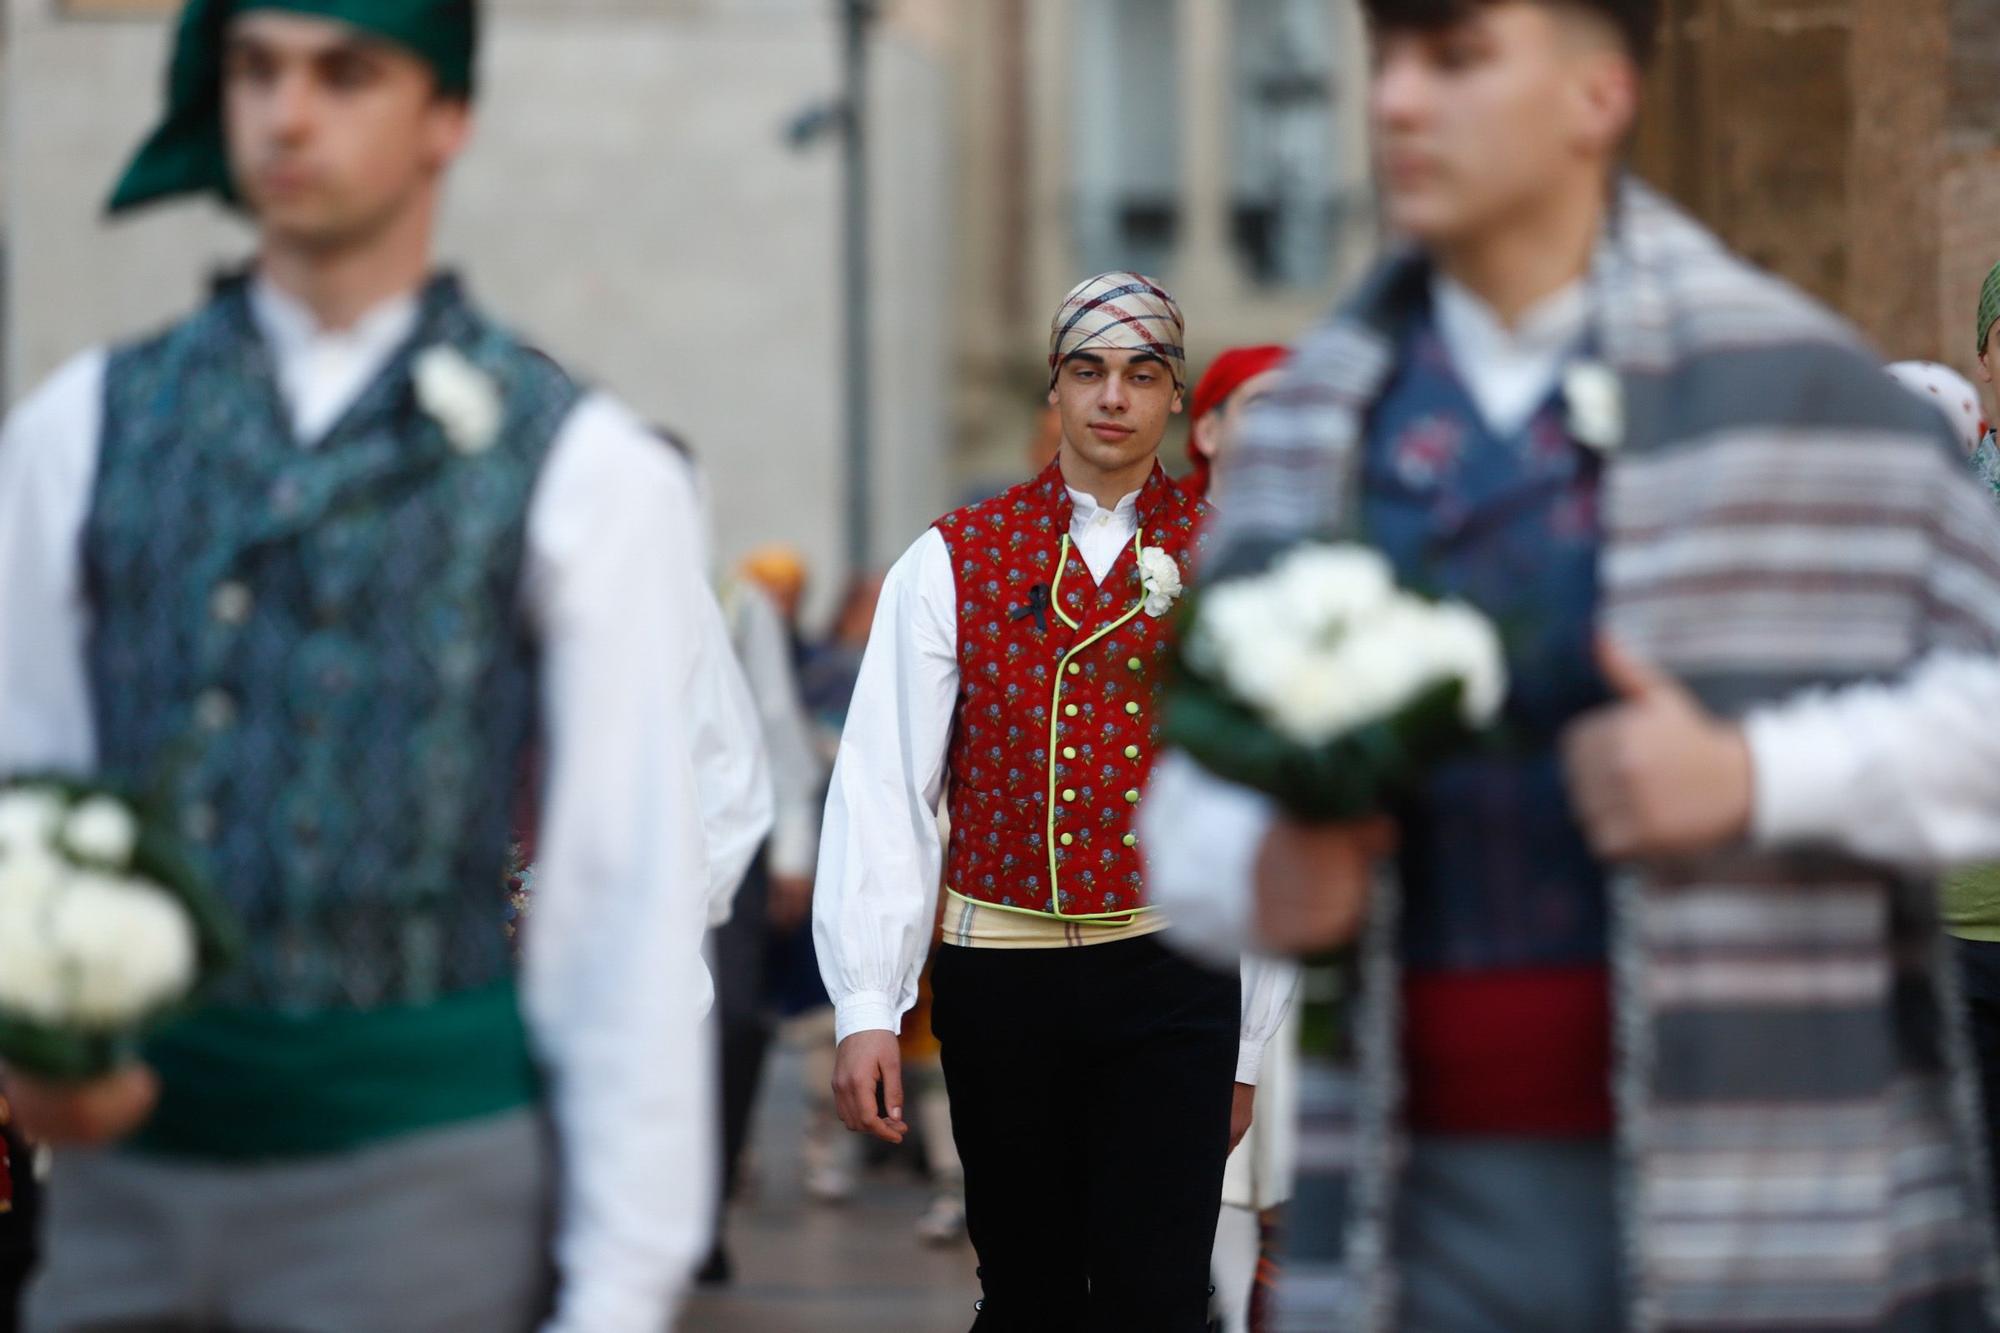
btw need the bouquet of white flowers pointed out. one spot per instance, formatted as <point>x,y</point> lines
<point>104,930</point>
<point>1324,685</point>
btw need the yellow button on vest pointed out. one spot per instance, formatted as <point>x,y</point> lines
<point>1067,839</point>
<point>1069,710</point>
<point>1069,794</point>
<point>1132,797</point>
<point>1069,752</point>
<point>1074,668</point>
<point>1131,752</point>
<point>1131,840</point>
<point>1132,708</point>
<point>1133,664</point>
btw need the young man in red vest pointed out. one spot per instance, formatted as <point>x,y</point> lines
<point>1097,1081</point>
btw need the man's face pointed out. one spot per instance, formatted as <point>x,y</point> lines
<point>332,136</point>
<point>1114,406</point>
<point>1215,434</point>
<point>1475,123</point>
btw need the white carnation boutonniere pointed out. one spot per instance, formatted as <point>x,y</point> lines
<point>460,397</point>
<point>1596,403</point>
<point>1160,579</point>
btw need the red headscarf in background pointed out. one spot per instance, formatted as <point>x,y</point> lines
<point>1226,374</point>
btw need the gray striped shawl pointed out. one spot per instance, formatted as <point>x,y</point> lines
<point>1797,1129</point>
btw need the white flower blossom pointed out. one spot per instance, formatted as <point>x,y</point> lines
<point>460,397</point>
<point>1596,405</point>
<point>1160,577</point>
<point>101,829</point>
<point>126,948</point>
<point>30,971</point>
<point>30,817</point>
<point>1323,643</point>
<point>1331,585</point>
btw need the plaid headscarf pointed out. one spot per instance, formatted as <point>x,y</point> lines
<point>1126,312</point>
<point>1989,307</point>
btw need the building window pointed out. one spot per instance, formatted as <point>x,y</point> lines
<point>1286,202</point>
<point>1127,159</point>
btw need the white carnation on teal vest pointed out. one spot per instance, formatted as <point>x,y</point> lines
<point>460,397</point>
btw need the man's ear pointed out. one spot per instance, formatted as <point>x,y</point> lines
<point>1052,397</point>
<point>1204,435</point>
<point>1986,363</point>
<point>1177,402</point>
<point>1609,89</point>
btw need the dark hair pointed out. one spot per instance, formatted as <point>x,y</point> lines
<point>1637,21</point>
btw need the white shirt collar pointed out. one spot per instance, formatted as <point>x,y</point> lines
<point>1085,505</point>
<point>1509,371</point>
<point>288,324</point>
<point>322,372</point>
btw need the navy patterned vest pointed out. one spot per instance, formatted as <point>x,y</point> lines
<point>318,653</point>
<point>1496,872</point>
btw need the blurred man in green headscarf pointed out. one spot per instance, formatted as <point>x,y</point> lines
<point>351,549</point>
<point>1986,458</point>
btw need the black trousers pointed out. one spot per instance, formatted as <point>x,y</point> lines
<point>1979,975</point>
<point>743,1018</point>
<point>1090,1094</point>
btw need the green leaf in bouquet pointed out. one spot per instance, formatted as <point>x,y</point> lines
<point>1360,773</point>
<point>59,1055</point>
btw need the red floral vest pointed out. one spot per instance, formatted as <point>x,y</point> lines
<point>1059,678</point>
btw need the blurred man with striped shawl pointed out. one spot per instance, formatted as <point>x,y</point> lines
<point>1654,1031</point>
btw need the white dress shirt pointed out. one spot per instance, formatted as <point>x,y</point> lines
<point>875,899</point>
<point>764,647</point>
<point>613,984</point>
<point>1906,773</point>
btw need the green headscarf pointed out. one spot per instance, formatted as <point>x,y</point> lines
<point>186,153</point>
<point>1989,307</point>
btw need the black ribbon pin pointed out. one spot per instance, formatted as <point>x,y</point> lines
<point>1038,607</point>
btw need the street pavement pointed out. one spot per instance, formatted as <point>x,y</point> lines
<point>806,1267</point>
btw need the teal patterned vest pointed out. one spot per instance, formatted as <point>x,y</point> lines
<point>319,653</point>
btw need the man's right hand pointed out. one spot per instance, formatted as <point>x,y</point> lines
<point>865,1063</point>
<point>1313,881</point>
<point>83,1115</point>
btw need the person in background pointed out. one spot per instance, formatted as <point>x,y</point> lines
<point>1953,395</point>
<point>1234,383</point>
<point>20,1218</point>
<point>1258,1180</point>
<point>1986,457</point>
<point>775,896</point>
<point>1097,1079</point>
<point>1969,897</point>
<point>832,665</point>
<point>780,570</point>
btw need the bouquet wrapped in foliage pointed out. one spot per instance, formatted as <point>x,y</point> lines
<point>104,930</point>
<point>1322,684</point>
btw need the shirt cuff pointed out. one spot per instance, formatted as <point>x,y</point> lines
<point>613,1307</point>
<point>1803,777</point>
<point>1249,1060</point>
<point>865,1011</point>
